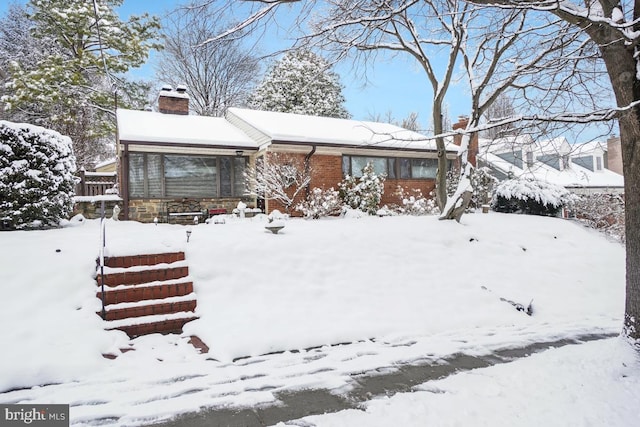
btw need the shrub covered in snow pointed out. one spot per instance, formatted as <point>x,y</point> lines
<point>321,203</point>
<point>363,193</point>
<point>36,176</point>
<point>602,211</point>
<point>531,197</point>
<point>412,202</point>
<point>483,184</point>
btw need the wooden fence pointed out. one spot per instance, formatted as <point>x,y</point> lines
<point>95,183</point>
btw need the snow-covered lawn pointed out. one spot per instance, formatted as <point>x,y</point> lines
<point>401,289</point>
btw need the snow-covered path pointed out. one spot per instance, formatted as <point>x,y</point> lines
<point>166,376</point>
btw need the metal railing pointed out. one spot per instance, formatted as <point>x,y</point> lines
<point>103,242</point>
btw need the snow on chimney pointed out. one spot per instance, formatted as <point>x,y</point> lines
<point>173,101</point>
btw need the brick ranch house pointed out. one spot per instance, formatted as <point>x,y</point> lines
<point>170,155</point>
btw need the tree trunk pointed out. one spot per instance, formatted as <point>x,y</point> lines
<point>621,67</point>
<point>441,174</point>
<point>630,135</point>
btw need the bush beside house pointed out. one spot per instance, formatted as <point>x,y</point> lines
<point>36,176</point>
<point>364,193</point>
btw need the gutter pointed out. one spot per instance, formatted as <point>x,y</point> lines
<point>307,169</point>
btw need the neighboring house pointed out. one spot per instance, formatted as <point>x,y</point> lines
<point>581,168</point>
<point>109,165</point>
<point>170,155</point>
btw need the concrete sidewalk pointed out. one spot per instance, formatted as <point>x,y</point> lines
<point>365,386</point>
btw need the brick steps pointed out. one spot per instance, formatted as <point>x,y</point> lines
<point>162,324</point>
<point>152,307</point>
<point>146,259</point>
<point>137,276</point>
<point>145,294</point>
<point>141,293</point>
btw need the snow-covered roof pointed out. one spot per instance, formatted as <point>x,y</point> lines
<point>148,126</point>
<point>297,128</point>
<point>525,142</point>
<point>107,162</point>
<point>504,144</point>
<point>557,145</point>
<point>574,177</point>
<point>588,148</point>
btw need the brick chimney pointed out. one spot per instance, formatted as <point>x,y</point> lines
<point>463,121</point>
<point>173,101</point>
<point>614,154</point>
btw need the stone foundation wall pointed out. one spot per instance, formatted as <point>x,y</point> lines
<point>145,210</point>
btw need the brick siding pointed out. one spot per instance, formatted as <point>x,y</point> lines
<point>326,172</point>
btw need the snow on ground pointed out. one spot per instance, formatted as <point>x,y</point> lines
<point>592,384</point>
<point>401,289</point>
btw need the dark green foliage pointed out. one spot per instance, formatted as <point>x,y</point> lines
<point>36,176</point>
<point>532,197</point>
<point>524,206</point>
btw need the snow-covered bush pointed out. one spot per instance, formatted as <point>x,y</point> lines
<point>363,193</point>
<point>483,184</point>
<point>528,196</point>
<point>602,211</point>
<point>36,176</point>
<point>412,202</point>
<point>352,213</point>
<point>321,203</point>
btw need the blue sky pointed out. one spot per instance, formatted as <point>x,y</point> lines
<point>395,86</point>
<point>398,86</point>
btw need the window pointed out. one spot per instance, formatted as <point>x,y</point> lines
<point>190,176</point>
<point>405,168</point>
<point>175,176</point>
<point>599,163</point>
<point>529,159</point>
<point>423,168</point>
<point>136,175</point>
<point>391,167</point>
<point>154,175</point>
<point>358,164</point>
<point>239,168</point>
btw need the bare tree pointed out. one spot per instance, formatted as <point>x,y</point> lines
<point>425,30</point>
<point>501,109</point>
<point>510,55</point>
<point>278,177</point>
<point>218,74</point>
<point>614,28</point>
<point>410,122</point>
